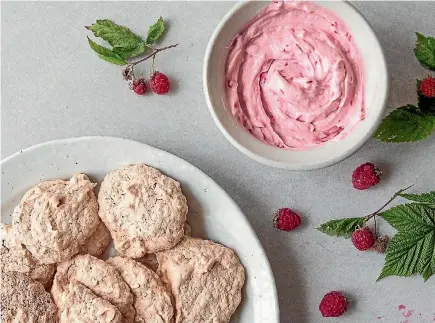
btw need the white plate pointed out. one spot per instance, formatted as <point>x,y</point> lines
<point>212,213</point>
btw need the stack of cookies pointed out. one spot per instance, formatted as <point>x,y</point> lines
<point>51,266</point>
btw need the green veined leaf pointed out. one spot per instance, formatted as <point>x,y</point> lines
<point>425,198</point>
<point>412,249</point>
<point>409,253</point>
<point>155,31</point>
<point>341,227</point>
<point>426,265</point>
<point>425,51</point>
<point>106,53</point>
<point>412,217</point>
<point>124,42</point>
<point>405,124</point>
<point>126,52</point>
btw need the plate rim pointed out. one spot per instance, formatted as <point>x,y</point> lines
<point>119,139</point>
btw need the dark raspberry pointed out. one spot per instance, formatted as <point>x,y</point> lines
<point>380,244</point>
<point>286,220</point>
<point>159,83</point>
<point>365,176</point>
<point>427,87</point>
<point>139,86</point>
<point>363,239</point>
<point>333,304</point>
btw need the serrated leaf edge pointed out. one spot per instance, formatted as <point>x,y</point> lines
<point>409,197</point>
<point>385,270</point>
<point>150,42</point>
<point>423,236</point>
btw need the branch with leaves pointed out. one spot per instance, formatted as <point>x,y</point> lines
<point>127,45</point>
<point>412,249</point>
<point>412,123</point>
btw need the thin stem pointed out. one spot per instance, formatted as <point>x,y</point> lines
<point>376,228</point>
<point>153,54</point>
<point>371,215</point>
<point>154,64</point>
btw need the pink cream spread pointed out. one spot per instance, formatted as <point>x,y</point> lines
<point>294,76</point>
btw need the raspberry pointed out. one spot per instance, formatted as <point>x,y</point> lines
<point>333,304</point>
<point>365,176</point>
<point>139,87</point>
<point>381,244</point>
<point>286,220</point>
<point>363,239</point>
<point>427,87</point>
<point>159,83</point>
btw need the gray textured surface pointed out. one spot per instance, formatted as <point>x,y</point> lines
<point>53,87</point>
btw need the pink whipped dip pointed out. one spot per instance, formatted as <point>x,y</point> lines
<point>294,76</point>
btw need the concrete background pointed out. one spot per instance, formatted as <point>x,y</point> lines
<point>54,86</point>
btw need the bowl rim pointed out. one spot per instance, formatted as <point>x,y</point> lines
<point>284,164</point>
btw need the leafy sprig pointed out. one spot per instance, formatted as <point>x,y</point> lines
<point>413,123</point>
<point>125,43</point>
<point>412,249</point>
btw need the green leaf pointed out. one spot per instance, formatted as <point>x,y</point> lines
<point>425,51</point>
<point>424,103</point>
<point>124,42</point>
<point>155,31</point>
<point>126,52</point>
<point>408,254</point>
<point>412,249</point>
<point>106,53</point>
<point>405,124</point>
<point>341,227</point>
<point>425,198</point>
<point>411,217</point>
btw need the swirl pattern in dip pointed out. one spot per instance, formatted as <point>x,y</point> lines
<point>294,76</point>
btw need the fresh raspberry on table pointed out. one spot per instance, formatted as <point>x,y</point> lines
<point>333,304</point>
<point>159,83</point>
<point>363,239</point>
<point>139,86</point>
<point>427,87</point>
<point>286,219</point>
<point>365,176</point>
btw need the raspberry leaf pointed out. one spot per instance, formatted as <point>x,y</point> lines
<point>411,217</point>
<point>409,254</point>
<point>412,249</point>
<point>155,31</point>
<point>126,52</point>
<point>425,51</point>
<point>106,53</point>
<point>424,103</point>
<point>124,42</point>
<point>425,198</point>
<point>341,227</point>
<point>405,124</point>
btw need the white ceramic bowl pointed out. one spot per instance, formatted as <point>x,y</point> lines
<point>376,91</point>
